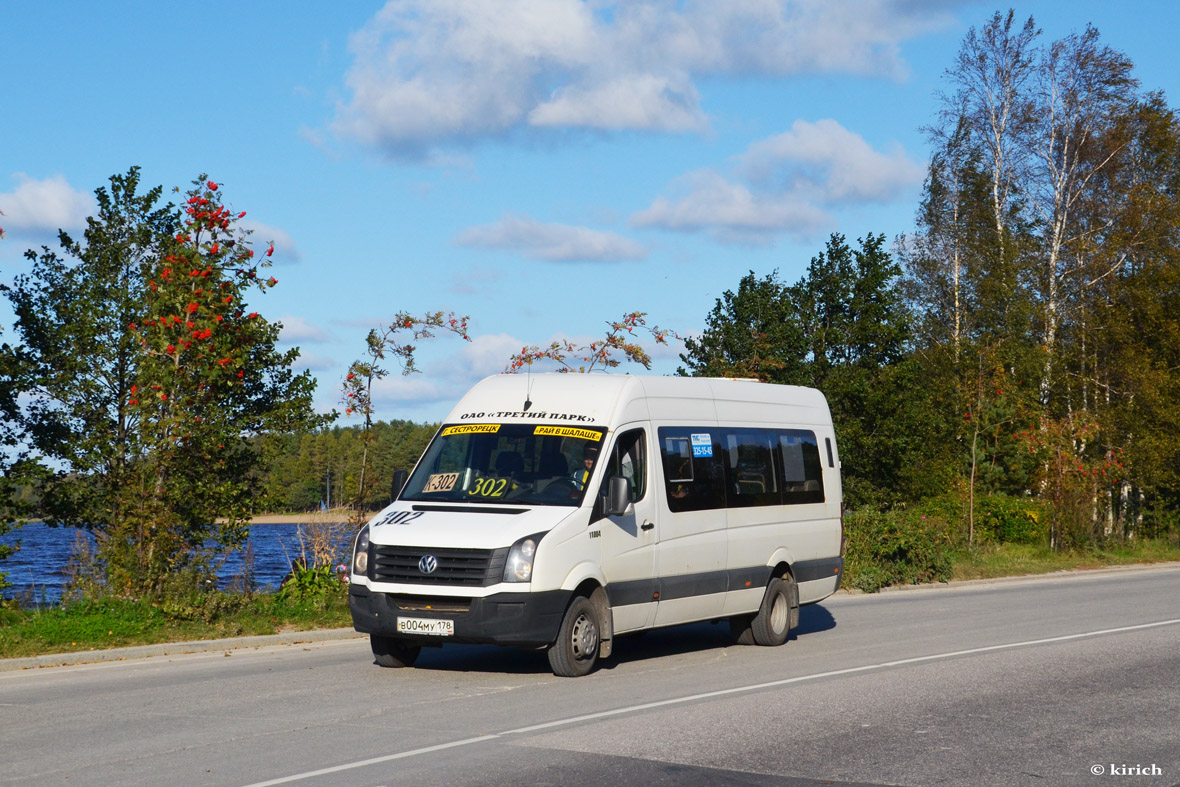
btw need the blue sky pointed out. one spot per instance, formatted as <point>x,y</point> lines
<point>543,166</point>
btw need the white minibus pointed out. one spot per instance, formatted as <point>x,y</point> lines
<point>560,511</point>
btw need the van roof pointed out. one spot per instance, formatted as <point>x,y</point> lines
<point>594,398</point>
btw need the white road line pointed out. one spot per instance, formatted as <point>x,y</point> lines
<point>374,761</point>
<point>709,695</point>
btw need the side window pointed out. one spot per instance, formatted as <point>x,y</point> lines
<point>629,460</point>
<point>752,480</point>
<point>803,480</point>
<point>692,461</point>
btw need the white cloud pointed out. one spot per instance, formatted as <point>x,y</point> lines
<point>785,184</point>
<point>484,355</point>
<point>732,212</point>
<point>645,101</point>
<point>412,390</point>
<point>314,362</point>
<point>427,74</point>
<point>552,242</point>
<point>264,234</point>
<point>38,207</point>
<point>297,329</point>
<point>830,162</point>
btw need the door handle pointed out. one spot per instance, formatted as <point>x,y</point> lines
<point>647,526</point>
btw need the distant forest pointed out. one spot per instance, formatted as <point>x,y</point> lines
<point>301,471</point>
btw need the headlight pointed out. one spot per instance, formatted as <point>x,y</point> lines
<point>360,552</point>
<point>519,567</point>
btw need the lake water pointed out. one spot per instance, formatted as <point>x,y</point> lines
<point>37,570</point>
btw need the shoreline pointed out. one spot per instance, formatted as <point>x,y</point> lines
<point>337,516</point>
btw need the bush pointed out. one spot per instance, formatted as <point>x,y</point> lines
<point>895,548</point>
<point>304,584</point>
<point>1011,520</point>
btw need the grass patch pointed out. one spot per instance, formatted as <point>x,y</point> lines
<point>990,561</point>
<point>114,623</point>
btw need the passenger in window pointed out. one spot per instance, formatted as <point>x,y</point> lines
<point>681,475</point>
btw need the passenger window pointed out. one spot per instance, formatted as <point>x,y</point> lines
<point>803,480</point>
<point>677,460</point>
<point>693,470</point>
<point>750,468</point>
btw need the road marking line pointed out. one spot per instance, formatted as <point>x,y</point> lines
<point>710,695</point>
<point>374,761</point>
<point>833,673</point>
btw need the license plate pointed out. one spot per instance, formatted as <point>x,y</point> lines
<point>426,626</point>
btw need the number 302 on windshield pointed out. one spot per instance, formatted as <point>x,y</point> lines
<point>488,487</point>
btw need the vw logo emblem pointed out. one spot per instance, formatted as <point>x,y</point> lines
<point>428,564</point>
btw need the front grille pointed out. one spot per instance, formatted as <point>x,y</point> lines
<point>444,604</point>
<point>456,567</point>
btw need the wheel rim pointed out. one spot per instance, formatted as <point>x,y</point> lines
<point>778,614</point>
<point>584,637</point>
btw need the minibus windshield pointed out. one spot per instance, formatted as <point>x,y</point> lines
<point>529,464</point>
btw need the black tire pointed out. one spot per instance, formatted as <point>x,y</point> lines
<point>576,650</point>
<point>772,623</point>
<point>739,629</point>
<point>393,652</point>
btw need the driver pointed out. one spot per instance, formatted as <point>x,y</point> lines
<point>582,474</point>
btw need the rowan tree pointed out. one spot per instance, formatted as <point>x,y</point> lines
<point>568,356</point>
<point>149,376</point>
<point>357,387</point>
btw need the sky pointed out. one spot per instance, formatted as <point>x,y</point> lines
<point>541,166</point>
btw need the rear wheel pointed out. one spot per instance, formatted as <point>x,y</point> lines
<point>393,652</point>
<point>576,649</point>
<point>772,623</point>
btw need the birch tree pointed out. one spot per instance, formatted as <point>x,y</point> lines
<point>1083,89</point>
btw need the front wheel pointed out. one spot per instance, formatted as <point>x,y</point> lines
<point>393,652</point>
<point>576,649</point>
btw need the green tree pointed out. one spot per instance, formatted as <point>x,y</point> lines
<point>749,333</point>
<point>12,462</point>
<point>842,328</point>
<point>149,380</point>
<point>1050,208</point>
<point>856,331</point>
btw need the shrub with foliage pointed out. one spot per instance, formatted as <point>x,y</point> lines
<point>895,548</point>
<point>1011,520</point>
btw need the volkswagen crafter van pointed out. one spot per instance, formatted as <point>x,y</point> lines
<point>559,511</point>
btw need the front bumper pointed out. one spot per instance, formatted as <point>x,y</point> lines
<point>520,619</point>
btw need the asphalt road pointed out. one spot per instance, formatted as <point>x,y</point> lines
<point>1038,682</point>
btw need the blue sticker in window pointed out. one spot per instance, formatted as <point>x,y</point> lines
<point>702,445</point>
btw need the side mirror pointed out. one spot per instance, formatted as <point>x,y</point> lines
<point>618,496</point>
<point>399,483</point>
